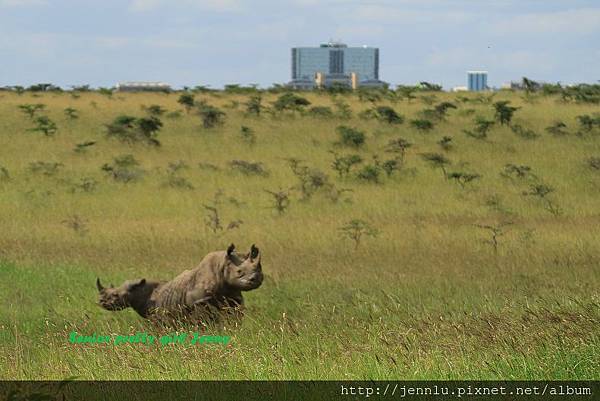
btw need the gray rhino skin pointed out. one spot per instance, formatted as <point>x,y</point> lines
<point>217,283</point>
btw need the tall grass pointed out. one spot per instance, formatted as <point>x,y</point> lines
<point>429,297</point>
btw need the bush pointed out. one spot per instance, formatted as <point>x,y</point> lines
<point>155,110</point>
<point>290,102</point>
<point>504,112</point>
<point>445,143</point>
<point>45,168</point>
<point>525,133</point>
<point>187,101</point>
<point>247,135</point>
<point>124,169</point>
<point>351,136</point>
<point>133,130</point>
<point>388,115</point>
<point>558,128</point>
<point>211,116</point>
<point>31,109</point>
<point>422,125</point>
<point>594,163</point>
<point>45,125</point>
<point>254,105</point>
<point>370,172</point>
<point>248,168</point>
<point>320,112</point>
<point>343,164</point>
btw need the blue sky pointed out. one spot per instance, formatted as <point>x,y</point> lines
<point>215,42</point>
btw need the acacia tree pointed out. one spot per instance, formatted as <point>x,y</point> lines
<point>254,105</point>
<point>187,101</point>
<point>356,229</point>
<point>211,116</point>
<point>437,160</point>
<point>504,112</point>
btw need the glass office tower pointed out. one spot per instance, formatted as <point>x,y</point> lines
<point>334,59</point>
<point>477,80</point>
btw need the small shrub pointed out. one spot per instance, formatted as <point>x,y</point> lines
<point>254,105</point>
<point>343,110</point>
<point>281,200</point>
<point>320,112</point>
<point>187,101</point>
<point>463,178</point>
<point>525,133</point>
<point>422,125</point>
<point>249,168</point>
<point>495,232</point>
<point>482,127</point>
<point>84,146</point>
<point>504,112</point>
<point>4,174</point>
<point>178,182</point>
<point>155,110</point>
<point>77,224</point>
<point>290,102</point>
<point>356,229</point>
<point>211,116</point>
<point>445,143</point>
<point>45,125</point>
<point>247,135</point>
<point>388,115</point>
<point>369,172</point>
<point>391,165</point>
<point>133,130</point>
<point>45,168</point>
<point>437,160</point>
<point>174,167</point>
<point>398,146</point>
<point>343,164</point>
<point>31,109</point>
<point>213,219</point>
<point>351,136</point>
<point>208,166</point>
<point>558,128</point>
<point>124,169</point>
<point>173,114</point>
<point>594,163</point>
<point>311,179</point>
<point>517,171</point>
<point>86,184</point>
<point>71,113</point>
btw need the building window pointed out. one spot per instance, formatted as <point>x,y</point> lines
<point>336,61</point>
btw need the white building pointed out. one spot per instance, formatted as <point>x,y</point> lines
<point>143,87</point>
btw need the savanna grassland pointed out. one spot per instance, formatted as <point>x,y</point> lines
<point>479,256</point>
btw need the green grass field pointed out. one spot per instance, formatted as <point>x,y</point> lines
<point>429,297</point>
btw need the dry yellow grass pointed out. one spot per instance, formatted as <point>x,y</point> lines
<point>427,298</point>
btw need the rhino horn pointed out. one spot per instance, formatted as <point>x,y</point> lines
<point>99,285</point>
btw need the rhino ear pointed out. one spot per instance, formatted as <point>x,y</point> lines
<point>254,253</point>
<point>137,283</point>
<point>99,285</point>
<point>230,249</point>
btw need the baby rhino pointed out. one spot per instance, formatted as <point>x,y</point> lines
<point>216,284</point>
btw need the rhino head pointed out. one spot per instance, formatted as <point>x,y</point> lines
<point>243,272</point>
<point>134,293</point>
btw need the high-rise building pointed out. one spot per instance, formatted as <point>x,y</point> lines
<point>477,80</point>
<point>335,63</point>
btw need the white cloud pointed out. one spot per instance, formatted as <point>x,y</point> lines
<point>400,14</point>
<point>21,3</point>
<point>577,21</point>
<point>212,5</point>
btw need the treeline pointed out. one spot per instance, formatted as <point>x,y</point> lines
<point>579,93</point>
